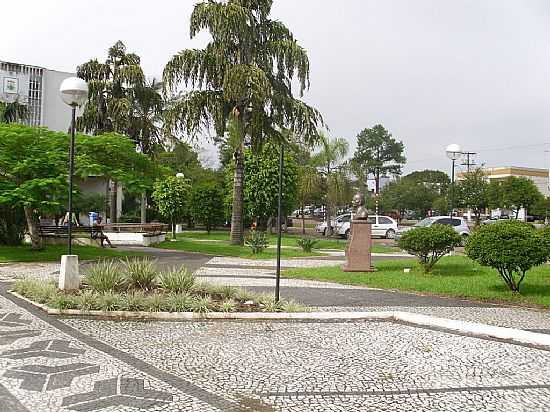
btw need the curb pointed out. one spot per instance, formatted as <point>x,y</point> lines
<point>471,328</point>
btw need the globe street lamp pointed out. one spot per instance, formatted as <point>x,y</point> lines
<point>74,92</point>
<point>454,151</point>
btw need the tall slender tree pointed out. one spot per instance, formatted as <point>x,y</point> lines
<point>330,161</point>
<point>244,75</point>
<point>377,154</point>
<point>110,98</point>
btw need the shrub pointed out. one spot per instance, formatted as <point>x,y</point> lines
<point>108,301</point>
<point>177,280</point>
<point>63,301</point>
<point>256,241</point>
<point>228,305</point>
<point>179,302</point>
<point>512,248</point>
<point>201,304</point>
<point>140,273</point>
<point>430,244</point>
<point>87,300</point>
<point>156,303</point>
<point>306,243</point>
<point>37,291</point>
<point>105,276</point>
<point>135,301</point>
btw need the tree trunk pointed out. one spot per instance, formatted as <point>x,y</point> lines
<point>303,221</point>
<point>143,208</point>
<point>269,225</point>
<point>238,199</point>
<point>114,201</point>
<point>377,181</point>
<point>173,229</point>
<point>32,226</point>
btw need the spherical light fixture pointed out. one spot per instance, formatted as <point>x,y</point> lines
<point>74,91</point>
<point>453,151</point>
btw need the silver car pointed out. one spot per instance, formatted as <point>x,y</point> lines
<point>458,224</point>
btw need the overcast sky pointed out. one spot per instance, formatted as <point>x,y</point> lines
<point>433,72</point>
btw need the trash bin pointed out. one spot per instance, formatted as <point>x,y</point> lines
<point>93,218</point>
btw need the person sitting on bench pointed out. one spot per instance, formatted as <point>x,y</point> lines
<point>97,233</point>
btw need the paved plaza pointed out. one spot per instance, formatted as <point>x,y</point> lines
<point>79,364</point>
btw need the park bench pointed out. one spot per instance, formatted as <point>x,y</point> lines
<point>61,231</point>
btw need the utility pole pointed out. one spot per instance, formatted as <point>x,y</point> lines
<point>469,162</point>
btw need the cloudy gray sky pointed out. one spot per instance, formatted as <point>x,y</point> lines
<point>433,72</point>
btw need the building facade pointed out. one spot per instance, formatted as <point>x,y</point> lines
<point>38,89</point>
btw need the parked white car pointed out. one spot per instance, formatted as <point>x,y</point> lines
<point>457,223</point>
<point>382,226</point>
<point>322,227</point>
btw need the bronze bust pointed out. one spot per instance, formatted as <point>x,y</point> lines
<point>361,212</point>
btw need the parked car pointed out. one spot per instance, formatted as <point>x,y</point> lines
<point>383,226</point>
<point>459,224</point>
<point>322,227</point>
<point>495,219</point>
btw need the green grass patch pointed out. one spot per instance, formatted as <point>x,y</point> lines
<point>54,252</point>
<point>286,240</point>
<point>455,276</point>
<point>226,249</point>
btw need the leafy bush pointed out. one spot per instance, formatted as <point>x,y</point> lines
<point>429,244</point>
<point>108,301</point>
<point>512,248</point>
<point>256,241</point>
<point>179,302</point>
<point>201,304</point>
<point>156,302</point>
<point>87,300</point>
<point>105,276</point>
<point>140,273</point>
<point>228,305</point>
<point>38,291</point>
<point>205,204</point>
<point>177,280</point>
<point>135,301</point>
<point>63,301</point>
<point>307,243</point>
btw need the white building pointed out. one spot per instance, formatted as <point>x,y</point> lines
<point>38,88</point>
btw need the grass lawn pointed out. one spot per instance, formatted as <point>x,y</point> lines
<point>53,253</point>
<point>455,276</point>
<point>225,249</point>
<point>287,240</point>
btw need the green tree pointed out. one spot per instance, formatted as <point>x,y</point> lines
<point>377,154</point>
<point>260,188</point>
<point>34,166</point>
<point>330,159</point>
<point>434,179</point>
<point>206,207</point>
<point>111,106</point>
<point>244,75</point>
<point>512,248</point>
<point>407,195</point>
<point>13,112</point>
<point>473,192</point>
<point>171,195</point>
<point>514,193</point>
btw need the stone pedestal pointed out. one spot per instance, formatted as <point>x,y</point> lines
<point>69,278</point>
<point>358,252</point>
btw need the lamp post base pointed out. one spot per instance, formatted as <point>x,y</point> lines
<point>69,276</point>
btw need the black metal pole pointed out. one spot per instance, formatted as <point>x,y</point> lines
<point>279,218</point>
<point>452,189</point>
<point>71,172</point>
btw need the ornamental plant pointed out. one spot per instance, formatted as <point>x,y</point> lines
<point>429,244</point>
<point>512,248</point>
<point>171,197</point>
<point>306,243</point>
<point>256,241</point>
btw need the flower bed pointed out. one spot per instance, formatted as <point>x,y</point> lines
<point>136,285</point>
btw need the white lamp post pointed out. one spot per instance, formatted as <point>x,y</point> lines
<point>453,152</point>
<point>74,92</point>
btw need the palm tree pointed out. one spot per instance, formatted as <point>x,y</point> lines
<point>111,87</point>
<point>243,77</point>
<point>13,112</point>
<point>330,161</point>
